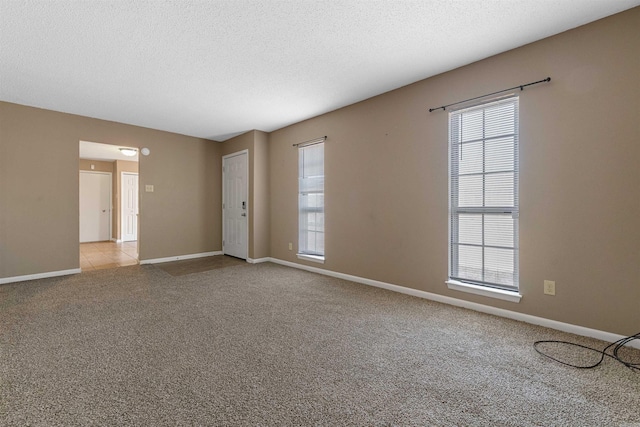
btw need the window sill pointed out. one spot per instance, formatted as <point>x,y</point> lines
<point>314,258</point>
<point>502,294</point>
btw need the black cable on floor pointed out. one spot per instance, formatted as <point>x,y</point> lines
<point>617,345</point>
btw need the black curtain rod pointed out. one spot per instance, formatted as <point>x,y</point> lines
<point>311,141</point>
<point>521,87</point>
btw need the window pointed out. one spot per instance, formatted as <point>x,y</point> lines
<point>311,201</point>
<point>483,187</point>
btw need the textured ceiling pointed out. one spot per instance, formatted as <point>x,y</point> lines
<point>214,69</point>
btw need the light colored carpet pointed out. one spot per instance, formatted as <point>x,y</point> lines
<point>269,345</point>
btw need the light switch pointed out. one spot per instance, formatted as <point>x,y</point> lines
<point>148,188</point>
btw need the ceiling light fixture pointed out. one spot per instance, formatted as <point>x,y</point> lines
<point>130,152</point>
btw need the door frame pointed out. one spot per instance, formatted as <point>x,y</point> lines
<point>110,201</point>
<point>246,160</point>
<point>122,174</point>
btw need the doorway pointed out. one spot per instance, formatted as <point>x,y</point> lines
<point>235,209</point>
<point>116,243</point>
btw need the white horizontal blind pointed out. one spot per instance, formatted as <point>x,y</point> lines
<point>311,200</point>
<point>483,144</point>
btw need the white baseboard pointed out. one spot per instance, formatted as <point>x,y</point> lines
<point>39,276</point>
<point>179,257</point>
<point>527,318</point>
<point>258,260</point>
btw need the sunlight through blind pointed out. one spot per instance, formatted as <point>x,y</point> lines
<point>483,144</point>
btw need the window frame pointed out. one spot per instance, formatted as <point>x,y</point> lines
<point>482,287</point>
<point>304,252</point>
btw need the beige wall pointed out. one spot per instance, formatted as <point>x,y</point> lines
<point>39,189</point>
<point>387,167</point>
<point>261,197</point>
<point>256,142</point>
<point>99,165</point>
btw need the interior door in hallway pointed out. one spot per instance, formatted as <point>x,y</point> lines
<point>235,209</point>
<point>129,207</point>
<point>95,206</point>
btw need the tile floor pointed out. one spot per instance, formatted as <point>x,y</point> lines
<point>99,255</point>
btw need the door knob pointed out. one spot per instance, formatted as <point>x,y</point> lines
<point>243,214</point>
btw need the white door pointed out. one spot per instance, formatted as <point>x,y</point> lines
<point>95,206</point>
<point>235,209</point>
<point>129,207</point>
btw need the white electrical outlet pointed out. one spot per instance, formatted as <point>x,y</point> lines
<point>549,287</point>
<point>148,188</point>
<point>290,246</point>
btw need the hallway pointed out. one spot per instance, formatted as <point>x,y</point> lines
<point>101,255</point>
